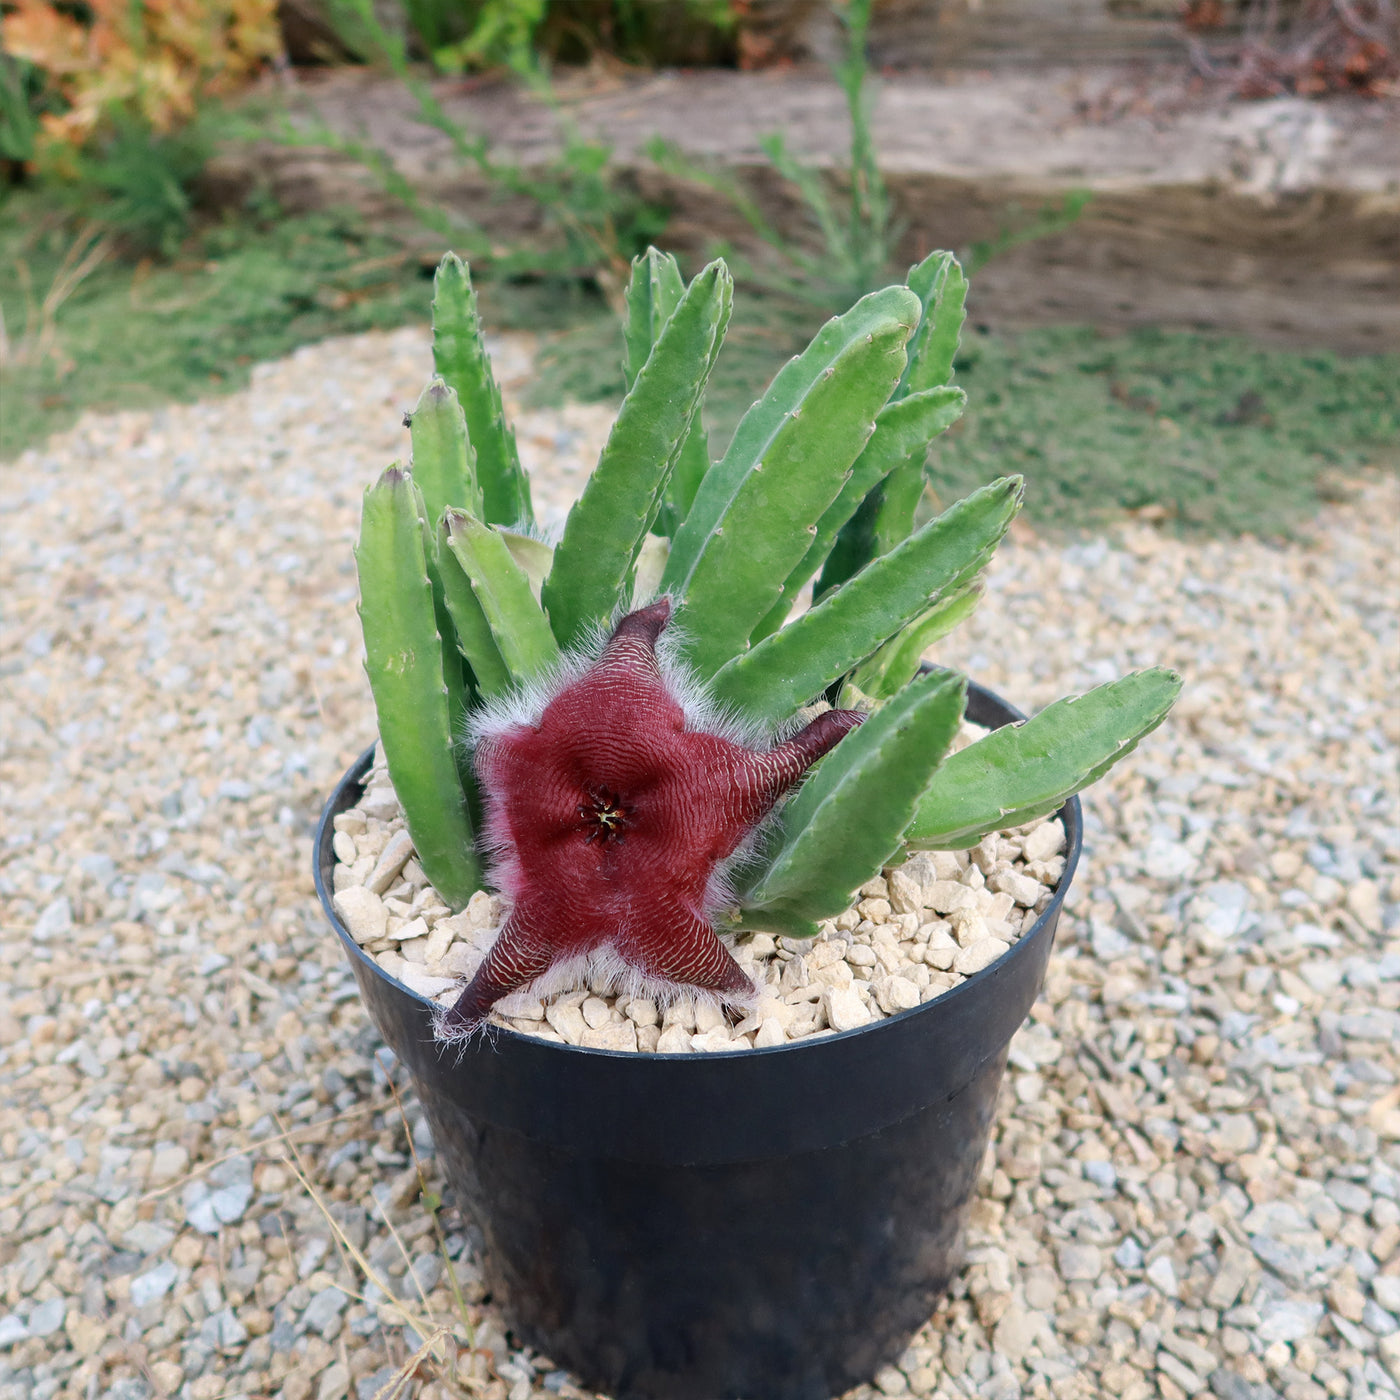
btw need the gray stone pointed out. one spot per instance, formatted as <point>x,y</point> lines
<point>367,1387</point>
<point>1349,1195</point>
<point>1167,860</point>
<point>154,1283</point>
<point>128,1388</point>
<point>222,1330</point>
<point>324,1309</point>
<point>1286,1260</point>
<point>48,1316</point>
<point>1128,1255</point>
<point>426,1270</point>
<point>1161,1272</point>
<point>1289,1319</point>
<point>206,1210</point>
<point>223,1198</point>
<point>1102,1174</point>
<point>1180,1372</point>
<point>146,1237</point>
<point>12,1329</point>
<point>1080,1262</point>
<point>1226,1385</point>
<point>56,918</point>
<point>229,1202</point>
<point>100,869</point>
<point>1370,1025</point>
<point>1018,1331</point>
<point>1376,1319</point>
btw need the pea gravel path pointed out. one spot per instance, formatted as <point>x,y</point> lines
<point>1195,1186</point>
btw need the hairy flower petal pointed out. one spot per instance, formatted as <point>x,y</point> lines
<point>613,817</point>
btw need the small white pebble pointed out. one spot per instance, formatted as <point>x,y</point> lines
<point>976,956</point>
<point>481,910</point>
<point>716,1038</point>
<point>1045,841</point>
<point>521,1006</point>
<point>709,1017</point>
<point>397,850</point>
<point>567,1021</point>
<point>673,1040</point>
<point>1021,888</point>
<point>418,928</point>
<point>845,1011</point>
<point>897,994</point>
<point>439,941</point>
<point>619,1036</point>
<point>362,912</point>
<point>770,1033</point>
<point>945,896</point>
<point>941,955</point>
<point>642,1012</point>
<point>681,1012</point>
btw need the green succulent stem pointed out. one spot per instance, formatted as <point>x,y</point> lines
<point>595,562</point>
<point>404,662</point>
<point>444,461</point>
<point>849,818</point>
<point>758,510</point>
<point>1023,771</point>
<point>787,670</point>
<point>459,353</point>
<point>501,587</point>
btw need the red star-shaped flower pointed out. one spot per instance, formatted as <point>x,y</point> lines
<point>612,815</point>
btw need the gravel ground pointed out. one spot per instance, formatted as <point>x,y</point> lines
<point>1195,1185</point>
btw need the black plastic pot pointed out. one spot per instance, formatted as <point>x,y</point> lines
<point>763,1225</point>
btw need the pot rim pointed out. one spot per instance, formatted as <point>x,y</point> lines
<point>1070,813</point>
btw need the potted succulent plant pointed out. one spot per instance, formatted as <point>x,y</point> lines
<point>609,731</point>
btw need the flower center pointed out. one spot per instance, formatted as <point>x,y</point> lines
<point>604,816</point>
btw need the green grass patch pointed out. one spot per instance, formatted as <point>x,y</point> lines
<point>1214,433</point>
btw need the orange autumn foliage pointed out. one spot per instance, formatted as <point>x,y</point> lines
<point>154,58</point>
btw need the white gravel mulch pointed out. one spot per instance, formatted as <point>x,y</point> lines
<point>914,932</point>
<point>1195,1182</point>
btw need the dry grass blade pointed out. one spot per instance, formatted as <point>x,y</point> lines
<point>288,1135</point>
<point>39,339</point>
<point>393,1387</point>
<point>425,1327</point>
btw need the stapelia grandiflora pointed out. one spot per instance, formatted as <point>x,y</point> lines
<point>612,815</point>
